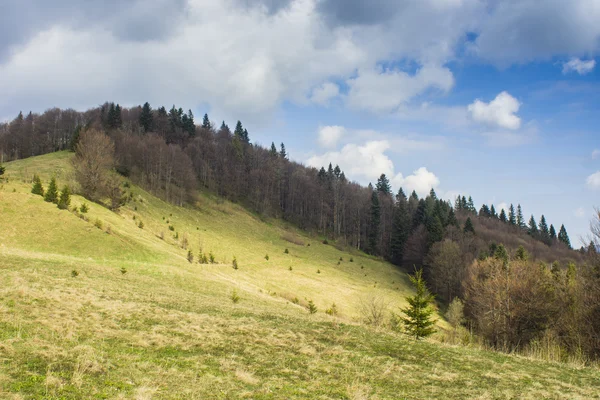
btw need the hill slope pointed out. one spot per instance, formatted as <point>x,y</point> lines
<point>169,329</point>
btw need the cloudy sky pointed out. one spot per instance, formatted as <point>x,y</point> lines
<point>497,99</point>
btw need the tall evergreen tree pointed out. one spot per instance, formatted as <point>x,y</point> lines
<point>543,230</point>
<point>206,122</point>
<point>563,236</point>
<point>418,321</point>
<point>190,126</point>
<point>435,230</point>
<point>457,203</point>
<point>452,221</point>
<point>503,216</point>
<point>118,117</point>
<point>520,218</point>
<point>464,205</point>
<point>469,228</point>
<point>51,195</point>
<point>383,185</point>
<point>552,232</point>
<point>484,211</point>
<point>400,228</point>
<point>533,228</point>
<point>282,153</point>
<point>37,187</point>
<point>512,218</point>
<point>239,130</point>
<point>274,152</point>
<point>374,223</point>
<point>493,212</point>
<point>65,198</point>
<point>146,118</point>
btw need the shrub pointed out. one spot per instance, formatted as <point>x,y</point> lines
<point>267,257</point>
<point>372,310</point>
<point>202,259</point>
<point>341,259</point>
<point>123,270</point>
<point>51,195</point>
<point>126,184</point>
<point>141,225</point>
<point>290,268</point>
<point>318,271</point>
<point>455,314</point>
<point>65,198</point>
<point>184,241</point>
<point>332,310</point>
<point>190,256</point>
<point>134,217</point>
<point>37,186</point>
<point>84,208</point>
<point>108,229</point>
<point>74,273</point>
<point>338,263</point>
<point>98,223</point>
<point>295,300</point>
<point>161,235</point>
<point>235,298</point>
<point>171,228</point>
<point>351,259</point>
<point>234,263</point>
<point>211,257</point>
<point>312,308</point>
<point>287,251</point>
<point>325,241</point>
<point>176,235</point>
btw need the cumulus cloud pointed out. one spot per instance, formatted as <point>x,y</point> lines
<point>593,181</point>
<point>499,112</point>
<point>502,206</point>
<point>383,91</point>
<point>330,135</point>
<point>421,181</point>
<point>579,66</point>
<point>323,94</point>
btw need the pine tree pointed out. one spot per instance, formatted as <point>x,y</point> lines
<point>457,203</point>
<point>484,211</point>
<point>118,117</point>
<point>533,229</point>
<point>464,205</point>
<point>383,185</point>
<point>552,233</point>
<point>75,138</point>
<point>522,254</point>
<point>435,230</point>
<point>274,153</point>
<point>65,198</point>
<point>471,205</point>
<point>520,219</point>
<point>282,153</point>
<point>418,320</point>
<point>493,212</point>
<point>503,216</point>
<point>400,228</point>
<point>190,126</point>
<point>146,117</point>
<point>512,218</point>
<point>563,236</point>
<point>206,122</point>
<point>374,223</point>
<point>469,228</point>
<point>452,221</point>
<point>51,195</point>
<point>239,130</point>
<point>37,186</point>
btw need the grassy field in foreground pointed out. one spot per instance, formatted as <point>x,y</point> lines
<point>168,329</point>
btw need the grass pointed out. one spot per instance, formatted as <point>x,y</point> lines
<point>168,329</point>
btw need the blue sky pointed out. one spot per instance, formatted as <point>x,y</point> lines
<point>496,99</point>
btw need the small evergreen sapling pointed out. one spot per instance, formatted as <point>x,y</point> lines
<point>84,208</point>
<point>64,200</point>
<point>51,195</point>
<point>312,308</point>
<point>190,256</point>
<point>37,187</point>
<point>417,321</point>
<point>234,263</point>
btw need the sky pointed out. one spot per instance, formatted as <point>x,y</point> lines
<point>495,99</point>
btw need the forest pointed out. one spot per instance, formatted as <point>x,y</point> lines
<point>517,279</point>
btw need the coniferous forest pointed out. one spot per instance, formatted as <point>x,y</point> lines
<point>517,275</point>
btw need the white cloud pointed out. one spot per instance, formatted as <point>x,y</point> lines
<point>502,206</point>
<point>384,91</point>
<point>577,65</point>
<point>323,94</point>
<point>500,112</point>
<point>593,181</point>
<point>595,154</point>
<point>421,181</point>
<point>330,135</point>
<point>580,212</point>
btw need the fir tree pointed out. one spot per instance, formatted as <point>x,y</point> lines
<point>274,153</point>
<point>206,122</point>
<point>493,212</point>
<point>418,320</point>
<point>383,185</point>
<point>503,216</point>
<point>146,118</point>
<point>432,194</point>
<point>37,186</point>
<point>190,126</point>
<point>484,211</point>
<point>65,198</point>
<point>457,203</point>
<point>246,137</point>
<point>552,233</point>
<point>118,117</point>
<point>533,229</point>
<point>563,236</point>
<point>282,153</point>
<point>471,205</point>
<point>400,228</point>
<point>452,221</point>
<point>51,195</point>
<point>239,130</point>
<point>374,223</point>
<point>520,219</point>
<point>469,228</point>
<point>435,230</point>
<point>543,230</point>
<point>521,254</point>
<point>2,170</point>
<point>464,205</point>
<point>512,218</point>
<point>75,138</point>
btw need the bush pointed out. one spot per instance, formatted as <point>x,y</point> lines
<point>318,271</point>
<point>292,238</point>
<point>51,195</point>
<point>37,186</point>
<point>108,229</point>
<point>290,268</point>
<point>312,308</point>
<point>325,241</point>
<point>455,314</point>
<point>351,259</point>
<point>373,310</point>
<point>341,259</point>
<point>235,298</point>
<point>267,257</point>
<point>74,273</point>
<point>234,263</point>
<point>141,225</point>
<point>190,257</point>
<point>287,251</point>
<point>84,208</point>
<point>211,258</point>
<point>332,310</point>
<point>98,223</point>
<point>123,270</point>
<point>171,228</point>
<point>202,258</point>
<point>295,300</point>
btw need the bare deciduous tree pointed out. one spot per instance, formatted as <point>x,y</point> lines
<point>94,158</point>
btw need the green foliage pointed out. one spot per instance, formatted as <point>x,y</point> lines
<point>318,271</point>
<point>141,225</point>
<point>351,259</point>
<point>171,228</point>
<point>418,320</point>
<point>190,256</point>
<point>74,273</point>
<point>290,268</point>
<point>503,217</point>
<point>332,310</point>
<point>234,263</point>
<point>267,257</point>
<point>373,233</point>
<point>123,270</point>
<point>84,208</point>
<point>211,257</point>
<point>146,118</point>
<point>533,229</point>
<point>564,237</point>
<point>455,313</point>
<point>51,195</point>
<point>325,241</point>
<point>312,308</point>
<point>286,251</point>
<point>520,219</point>
<point>401,225</point>
<point>383,185</point>
<point>469,228</point>
<point>512,218</point>
<point>501,254</point>
<point>522,254</point>
<point>37,187</point>
<point>2,170</point>
<point>235,297</point>
<point>98,223</point>
<point>65,198</point>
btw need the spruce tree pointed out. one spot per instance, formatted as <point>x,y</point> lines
<point>484,211</point>
<point>544,231</point>
<point>457,203</point>
<point>383,185</point>
<point>533,229</point>
<point>522,254</point>
<point>452,221</point>
<point>118,116</point>
<point>146,117</point>
<point>564,237</point>
<point>190,126</point>
<point>37,187</point>
<point>469,228</point>
<point>464,205</point>
<point>274,153</point>
<point>493,212</point>
<point>435,230</point>
<point>503,216</point>
<point>65,198</point>
<point>552,232</point>
<point>471,205</point>
<point>51,195</point>
<point>418,320</point>
<point>206,122</point>
<point>239,130</point>
<point>282,153</point>
<point>2,170</point>
<point>374,223</point>
<point>512,218</point>
<point>520,219</point>
<point>400,228</point>
<point>246,137</point>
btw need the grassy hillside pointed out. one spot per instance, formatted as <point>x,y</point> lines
<point>168,329</point>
